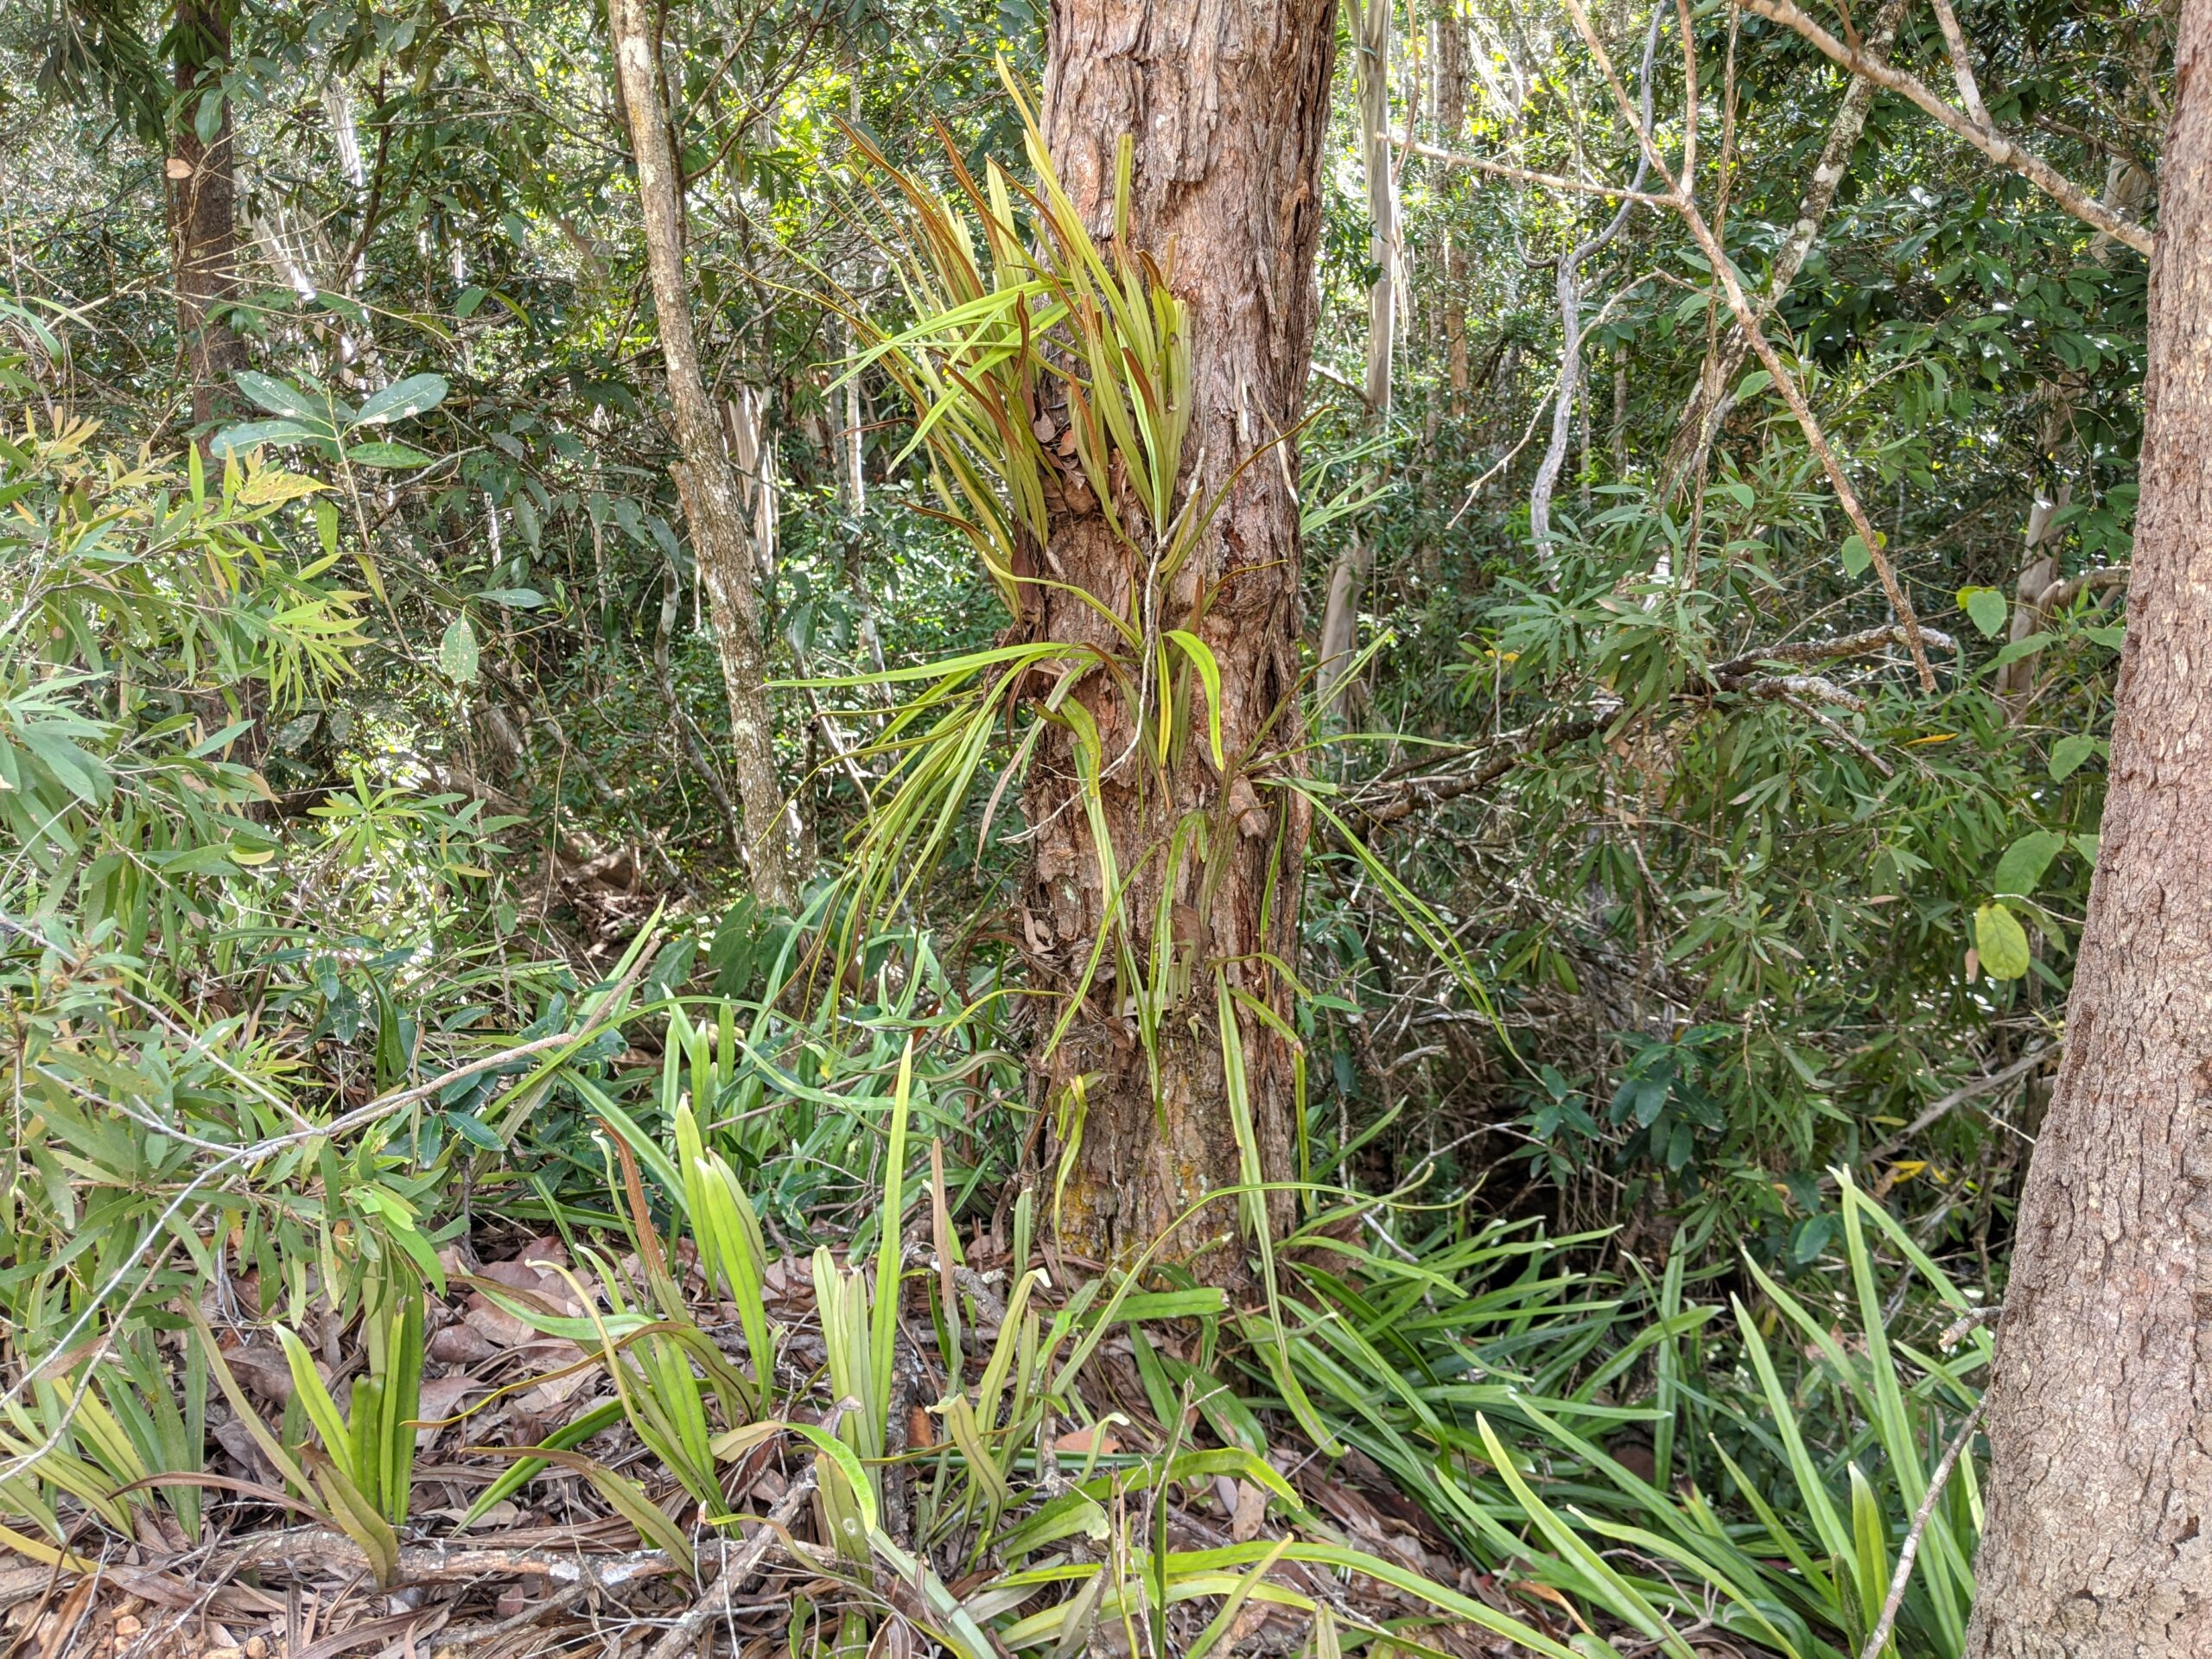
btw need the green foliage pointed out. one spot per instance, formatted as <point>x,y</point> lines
<point>344,944</point>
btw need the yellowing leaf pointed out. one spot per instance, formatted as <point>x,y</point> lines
<point>271,485</point>
<point>2002,941</point>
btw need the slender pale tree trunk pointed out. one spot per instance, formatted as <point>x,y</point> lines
<point>1371,44</point>
<point>2039,553</point>
<point>2099,1540</point>
<point>1371,19</point>
<point>203,211</point>
<point>714,504</point>
<point>1227,102</point>
<point>1340,642</point>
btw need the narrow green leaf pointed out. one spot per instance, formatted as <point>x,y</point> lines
<point>382,454</point>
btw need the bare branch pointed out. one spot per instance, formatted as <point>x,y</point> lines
<point>1843,734</point>
<point>1880,1638</point>
<point>1955,42</point>
<point>1680,199</point>
<point>1417,793</point>
<point>1714,395</point>
<point>2089,582</point>
<point>1986,139</point>
<point>1730,675</point>
<point>1530,175</point>
<point>1568,283</point>
<point>1937,1110</point>
<point>1804,691</point>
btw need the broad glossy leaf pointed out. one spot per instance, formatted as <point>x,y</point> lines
<point>281,398</point>
<point>1985,609</point>
<point>457,652</point>
<point>2002,942</point>
<point>2069,753</point>
<point>251,435</point>
<point>2022,866</point>
<point>415,395</point>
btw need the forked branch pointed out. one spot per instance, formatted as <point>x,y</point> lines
<point>1981,133</point>
<point>1680,198</point>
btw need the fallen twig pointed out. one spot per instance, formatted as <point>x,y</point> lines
<point>737,1572</point>
<point>1880,1636</point>
<point>301,1550</point>
<point>471,1635</point>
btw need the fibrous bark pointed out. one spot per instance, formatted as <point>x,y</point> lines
<point>713,503</point>
<point>203,211</point>
<point>2099,1538</point>
<point>1226,102</point>
<point>1451,123</point>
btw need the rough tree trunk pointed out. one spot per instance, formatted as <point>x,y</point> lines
<point>2099,1539</point>
<point>1451,123</point>
<point>1227,101</point>
<point>713,504</point>
<point>203,213</point>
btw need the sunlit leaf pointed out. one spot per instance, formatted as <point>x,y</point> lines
<point>2002,942</point>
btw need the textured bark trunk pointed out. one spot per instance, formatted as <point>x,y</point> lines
<point>2099,1539</point>
<point>203,213</point>
<point>1451,123</point>
<point>714,504</point>
<point>1227,102</point>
